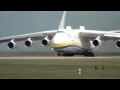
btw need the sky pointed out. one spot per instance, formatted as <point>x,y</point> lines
<point>24,22</point>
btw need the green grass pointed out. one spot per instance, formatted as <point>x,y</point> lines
<point>59,69</point>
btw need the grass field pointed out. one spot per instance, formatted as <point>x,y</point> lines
<point>59,69</point>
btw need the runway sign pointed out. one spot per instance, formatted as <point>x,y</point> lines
<point>99,67</point>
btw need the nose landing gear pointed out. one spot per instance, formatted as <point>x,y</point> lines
<point>59,54</point>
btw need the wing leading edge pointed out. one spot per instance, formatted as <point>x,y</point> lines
<point>36,35</point>
<point>105,35</point>
<point>33,36</point>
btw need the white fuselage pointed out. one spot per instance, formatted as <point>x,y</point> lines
<point>70,42</point>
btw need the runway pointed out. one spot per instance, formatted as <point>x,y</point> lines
<point>48,57</point>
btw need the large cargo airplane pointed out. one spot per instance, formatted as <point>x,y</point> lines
<point>65,40</point>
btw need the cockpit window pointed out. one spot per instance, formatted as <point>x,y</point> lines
<point>60,32</point>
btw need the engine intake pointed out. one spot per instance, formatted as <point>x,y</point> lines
<point>28,43</point>
<point>45,42</point>
<point>11,44</point>
<point>118,44</point>
<point>97,42</point>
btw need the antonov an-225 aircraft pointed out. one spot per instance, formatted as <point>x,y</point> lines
<point>66,41</point>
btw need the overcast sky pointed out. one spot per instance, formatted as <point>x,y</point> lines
<point>23,22</point>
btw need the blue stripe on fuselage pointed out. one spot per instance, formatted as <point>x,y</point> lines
<point>64,47</point>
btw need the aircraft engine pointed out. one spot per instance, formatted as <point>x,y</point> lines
<point>97,42</point>
<point>45,42</point>
<point>118,44</point>
<point>11,44</point>
<point>28,43</point>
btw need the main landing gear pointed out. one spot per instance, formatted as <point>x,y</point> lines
<point>89,54</point>
<point>61,54</point>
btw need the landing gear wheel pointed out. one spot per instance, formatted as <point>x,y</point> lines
<point>58,54</point>
<point>63,54</point>
<point>89,54</point>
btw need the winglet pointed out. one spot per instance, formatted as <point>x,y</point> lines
<point>62,23</point>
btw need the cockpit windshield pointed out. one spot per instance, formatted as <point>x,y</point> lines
<point>60,32</point>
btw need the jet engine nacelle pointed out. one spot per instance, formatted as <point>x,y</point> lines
<point>97,42</point>
<point>11,44</point>
<point>28,43</point>
<point>118,44</point>
<point>45,42</point>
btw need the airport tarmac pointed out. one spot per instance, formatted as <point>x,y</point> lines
<point>48,57</point>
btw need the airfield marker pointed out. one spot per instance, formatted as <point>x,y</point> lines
<point>79,71</point>
<point>99,67</point>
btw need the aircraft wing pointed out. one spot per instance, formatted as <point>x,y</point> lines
<point>37,35</point>
<point>104,35</point>
<point>33,36</point>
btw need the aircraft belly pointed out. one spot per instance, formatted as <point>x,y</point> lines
<point>70,50</point>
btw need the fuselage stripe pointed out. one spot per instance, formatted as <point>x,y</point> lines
<point>63,47</point>
<point>65,44</point>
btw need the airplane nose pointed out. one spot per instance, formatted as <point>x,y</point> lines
<point>58,39</point>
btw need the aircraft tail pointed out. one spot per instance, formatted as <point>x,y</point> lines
<point>62,23</point>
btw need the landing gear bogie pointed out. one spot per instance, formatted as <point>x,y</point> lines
<point>89,54</point>
<point>65,55</point>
